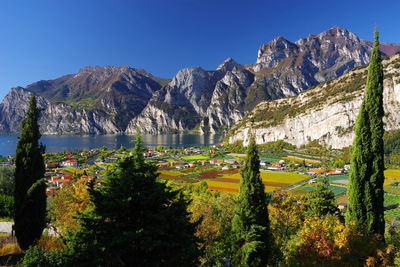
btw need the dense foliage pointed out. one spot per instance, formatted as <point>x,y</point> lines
<point>322,200</point>
<point>367,161</point>
<point>36,256</point>
<point>6,206</point>
<point>135,221</point>
<point>276,148</point>
<point>392,142</point>
<point>30,187</point>
<point>69,201</point>
<point>213,212</point>
<point>7,180</point>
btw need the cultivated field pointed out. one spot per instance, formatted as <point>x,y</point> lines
<point>392,173</point>
<point>300,159</point>
<point>271,180</point>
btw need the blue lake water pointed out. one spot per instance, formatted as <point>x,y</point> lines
<point>60,143</point>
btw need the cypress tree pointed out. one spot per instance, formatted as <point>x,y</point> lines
<point>374,106</point>
<point>360,170</point>
<point>250,225</point>
<point>30,187</point>
<point>367,160</point>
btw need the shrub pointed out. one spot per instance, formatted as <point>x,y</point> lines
<point>36,256</point>
<point>6,206</point>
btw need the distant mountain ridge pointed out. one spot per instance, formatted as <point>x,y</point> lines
<point>112,99</point>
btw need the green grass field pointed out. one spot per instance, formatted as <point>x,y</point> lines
<point>390,200</point>
<point>339,179</point>
<point>237,155</point>
<point>195,157</point>
<point>392,189</point>
<point>337,190</point>
<point>170,159</point>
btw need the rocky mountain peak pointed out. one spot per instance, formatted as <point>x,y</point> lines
<point>271,53</point>
<point>101,73</point>
<point>228,65</point>
<point>281,42</point>
<point>189,77</point>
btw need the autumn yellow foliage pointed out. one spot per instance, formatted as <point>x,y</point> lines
<point>328,242</point>
<point>66,204</point>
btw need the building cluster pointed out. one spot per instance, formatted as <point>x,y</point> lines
<point>57,177</point>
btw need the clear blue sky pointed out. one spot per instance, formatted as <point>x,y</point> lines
<point>45,39</point>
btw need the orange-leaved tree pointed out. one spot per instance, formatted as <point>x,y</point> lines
<point>69,200</point>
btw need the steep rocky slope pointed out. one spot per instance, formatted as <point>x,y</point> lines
<point>327,112</point>
<point>185,102</point>
<point>95,100</point>
<point>55,117</point>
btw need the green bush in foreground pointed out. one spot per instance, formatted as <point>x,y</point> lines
<point>38,257</point>
<point>6,206</point>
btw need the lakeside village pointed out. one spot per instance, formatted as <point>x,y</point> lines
<point>282,169</point>
<point>217,165</point>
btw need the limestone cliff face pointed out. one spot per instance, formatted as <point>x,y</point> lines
<point>327,113</point>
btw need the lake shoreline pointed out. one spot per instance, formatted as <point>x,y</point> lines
<point>77,142</point>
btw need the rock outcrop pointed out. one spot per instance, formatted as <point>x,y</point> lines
<point>327,112</point>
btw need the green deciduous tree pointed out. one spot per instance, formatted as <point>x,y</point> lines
<point>213,212</point>
<point>136,221</point>
<point>251,222</point>
<point>367,160</point>
<point>69,201</point>
<point>30,187</point>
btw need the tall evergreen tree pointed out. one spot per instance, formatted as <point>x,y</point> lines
<point>374,106</point>
<point>360,170</point>
<point>30,187</point>
<point>367,161</point>
<point>136,221</point>
<point>251,223</point>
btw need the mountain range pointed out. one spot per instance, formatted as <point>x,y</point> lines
<point>111,99</point>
